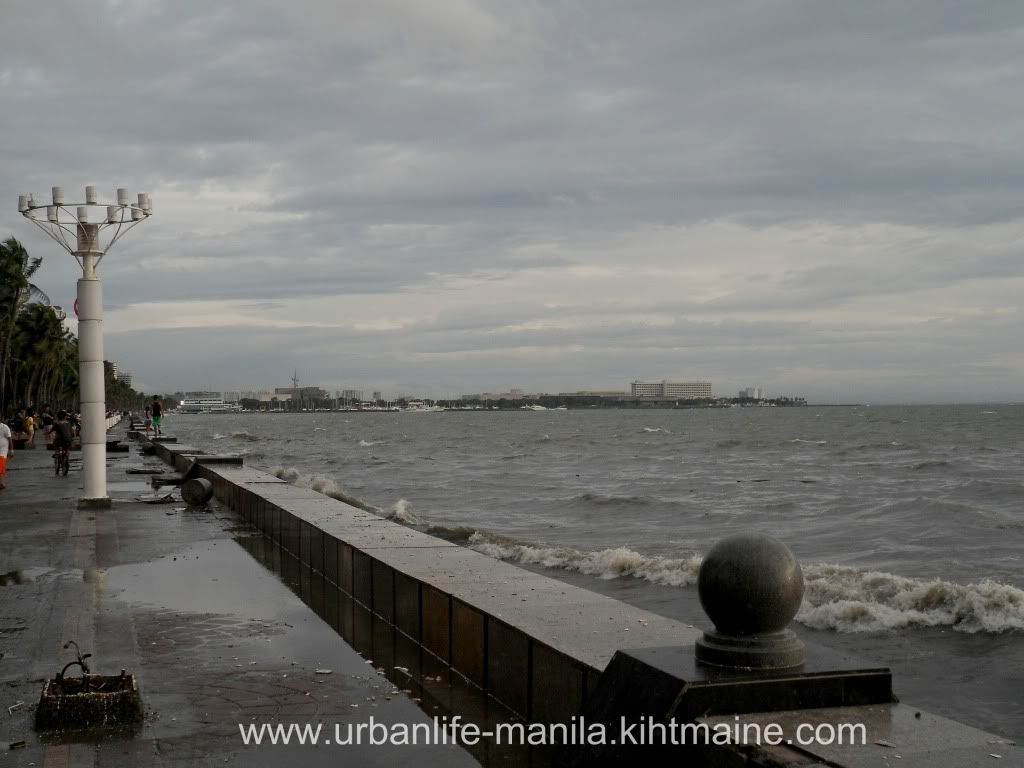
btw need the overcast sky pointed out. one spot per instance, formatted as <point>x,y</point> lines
<point>449,196</point>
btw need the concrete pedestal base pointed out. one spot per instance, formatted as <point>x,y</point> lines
<point>664,685</point>
<point>776,650</point>
<point>103,502</point>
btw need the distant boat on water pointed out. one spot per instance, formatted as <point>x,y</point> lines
<point>207,405</point>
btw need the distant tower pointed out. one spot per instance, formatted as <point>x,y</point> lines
<point>295,379</point>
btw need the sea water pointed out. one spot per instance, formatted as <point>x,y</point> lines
<point>908,521</point>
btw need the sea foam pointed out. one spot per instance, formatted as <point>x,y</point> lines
<point>401,511</point>
<point>839,598</point>
<point>606,563</point>
<point>851,599</point>
<point>324,485</point>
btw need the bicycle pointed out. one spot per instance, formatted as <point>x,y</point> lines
<point>61,461</point>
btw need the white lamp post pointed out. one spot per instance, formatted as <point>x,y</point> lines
<point>70,226</point>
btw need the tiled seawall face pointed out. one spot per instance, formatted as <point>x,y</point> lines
<point>534,643</point>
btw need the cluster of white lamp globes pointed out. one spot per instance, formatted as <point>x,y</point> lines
<point>69,224</point>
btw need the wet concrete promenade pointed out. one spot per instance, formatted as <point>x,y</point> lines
<point>224,624</point>
<point>175,596</point>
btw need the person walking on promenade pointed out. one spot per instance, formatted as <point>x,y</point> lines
<point>158,412</point>
<point>148,421</point>
<point>6,447</point>
<point>30,427</point>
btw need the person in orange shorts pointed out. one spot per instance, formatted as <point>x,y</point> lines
<point>6,447</point>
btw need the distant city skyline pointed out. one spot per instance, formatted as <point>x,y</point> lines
<point>473,195</point>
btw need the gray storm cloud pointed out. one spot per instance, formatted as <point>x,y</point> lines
<point>456,195</point>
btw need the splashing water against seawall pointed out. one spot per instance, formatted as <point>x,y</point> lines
<point>606,563</point>
<point>402,511</point>
<point>324,485</point>
<point>839,598</point>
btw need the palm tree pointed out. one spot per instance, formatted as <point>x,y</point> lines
<point>38,342</point>
<point>16,290</point>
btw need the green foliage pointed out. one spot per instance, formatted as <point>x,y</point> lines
<point>38,357</point>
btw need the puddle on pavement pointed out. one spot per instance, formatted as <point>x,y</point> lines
<point>207,577</point>
<point>130,486</point>
<point>41,574</point>
<point>223,577</point>
<point>419,674</point>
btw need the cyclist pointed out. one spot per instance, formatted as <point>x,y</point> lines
<point>62,434</point>
<point>46,417</point>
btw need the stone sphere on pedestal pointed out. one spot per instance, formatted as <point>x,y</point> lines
<point>750,586</point>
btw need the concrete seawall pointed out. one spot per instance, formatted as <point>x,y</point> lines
<point>537,645</point>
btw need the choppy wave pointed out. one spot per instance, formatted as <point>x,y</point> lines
<point>244,435</point>
<point>402,511</point>
<point>728,443</point>
<point>606,563</point>
<point>369,443</point>
<point>218,436</point>
<point>324,485</point>
<point>657,429</point>
<point>839,598</point>
<point>602,500</point>
<point>810,442</point>
<point>851,599</point>
<point>935,464</point>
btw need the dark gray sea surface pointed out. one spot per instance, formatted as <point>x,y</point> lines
<point>908,521</point>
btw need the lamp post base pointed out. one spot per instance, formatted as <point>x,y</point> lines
<point>103,502</point>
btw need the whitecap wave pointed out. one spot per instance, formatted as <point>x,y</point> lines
<point>810,442</point>
<point>657,429</point>
<point>838,598</point>
<point>606,563</point>
<point>402,511</point>
<point>218,436</point>
<point>244,435</point>
<point>324,485</point>
<point>850,599</point>
<point>369,443</point>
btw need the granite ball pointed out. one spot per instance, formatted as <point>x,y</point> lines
<point>750,584</point>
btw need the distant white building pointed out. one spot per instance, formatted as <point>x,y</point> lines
<point>512,394</point>
<point>236,396</point>
<point>594,393</point>
<point>124,377</point>
<point>753,393</point>
<point>682,390</point>
<point>352,394</point>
